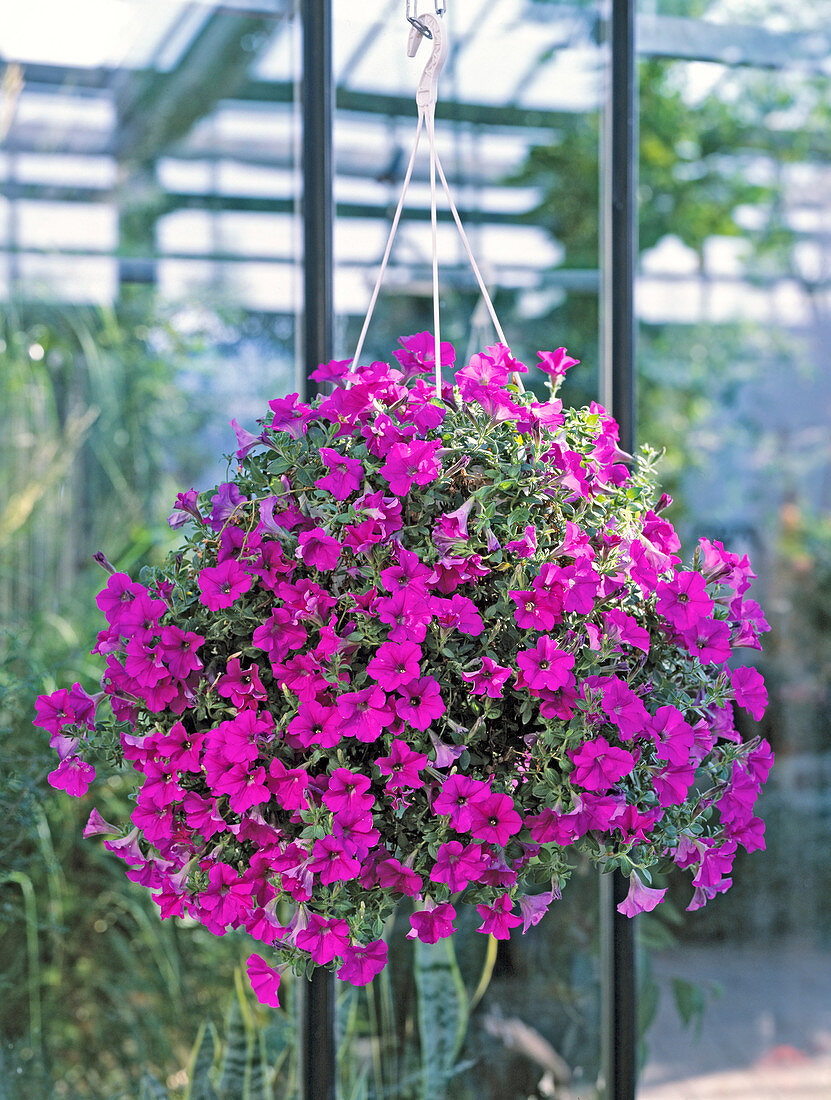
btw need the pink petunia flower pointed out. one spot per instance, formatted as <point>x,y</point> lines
<point>394,664</point>
<point>599,765</point>
<point>640,899</point>
<point>457,864</point>
<point>348,790</point>
<point>455,798</point>
<point>364,714</point>
<point>498,919</point>
<point>264,979</point>
<point>221,585</point>
<point>330,863</point>
<point>324,939</point>
<point>420,702</point>
<point>494,818</point>
<point>72,775</point>
<point>362,963</point>
<point>546,665</point>
<point>318,550</point>
<point>489,680</point>
<point>683,600</point>
<point>402,766</point>
<point>393,875</point>
<point>749,691</point>
<point>345,474</point>
<point>413,462</point>
<point>432,923</point>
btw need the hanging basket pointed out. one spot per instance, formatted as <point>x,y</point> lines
<point>425,647</point>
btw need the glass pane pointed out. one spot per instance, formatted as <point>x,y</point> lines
<point>733,299</point>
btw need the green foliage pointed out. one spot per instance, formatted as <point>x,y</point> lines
<point>442,1014</point>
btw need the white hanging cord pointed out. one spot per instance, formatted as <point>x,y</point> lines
<point>485,296</point>
<point>431,135</point>
<point>388,249</point>
<point>428,26</point>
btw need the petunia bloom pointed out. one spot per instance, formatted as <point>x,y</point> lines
<point>264,979</point>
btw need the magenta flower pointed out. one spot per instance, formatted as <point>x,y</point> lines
<point>494,818</point>
<point>345,474</point>
<point>361,964</point>
<point>118,594</point>
<point>432,924</point>
<point>409,463</point>
<point>178,650</point>
<point>393,875</point>
<point>533,907</point>
<point>459,613</point>
<point>54,711</point>
<point>225,502</point>
<point>621,627</point>
<point>97,826</point>
<point>556,363</point>
<point>402,766</point>
<point>290,415</point>
<point>537,610</point>
<point>420,702</point>
<point>417,354</point>
<point>227,896</point>
<point>407,613</point>
<point>546,666</point>
<point>72,775</point>
<point>278,634</point>
<point>245,788</point>
<point>288,785</point>
<point>318,550</point>
<point>241,685</point>
<point>364,714</point>
<point>265,981</point>
<point>394,664</point>
<point>683,600</point>
<point>185,508</point>
<point>674,737</point>
<point>316,724</point>
<point>599,765</point>
<point>457,865</point>
<point>348,790</point>
<point>324,939</point>
<point>221,585</point>
<point>672,783</point>
<point>356,831</point>
<point>455,798</point>
<point>331,863</point>
<point>498,919</point>
<point>640,899</point>
<point>489,680</point>
<point>623,707</point>
<point>709,641</point>
<point>525,547</point>
<point>749,691</point>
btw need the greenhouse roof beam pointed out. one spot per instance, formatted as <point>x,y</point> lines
<point>156,109</point>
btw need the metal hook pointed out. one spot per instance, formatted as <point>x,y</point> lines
<point>419,24</point>
<point>427,92</point>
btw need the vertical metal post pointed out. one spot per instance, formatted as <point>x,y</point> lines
<point>318,204</point>
<point>317,1008</point>
<point>617,393</point>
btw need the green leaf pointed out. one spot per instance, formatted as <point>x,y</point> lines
<point>201,1063</point>
<point>442,1014</point>
<point>236,1056</point>
<point>690,1001</point>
